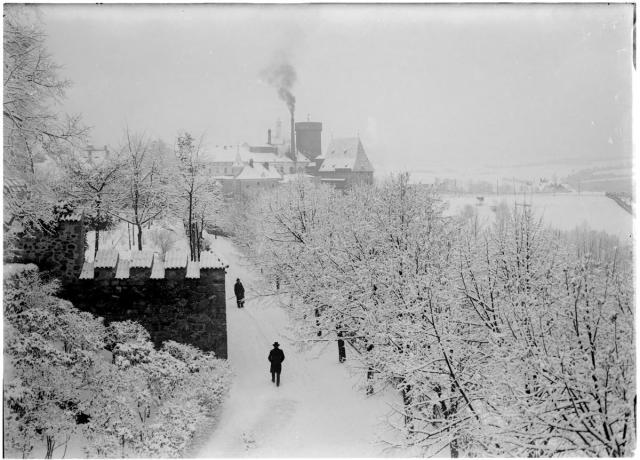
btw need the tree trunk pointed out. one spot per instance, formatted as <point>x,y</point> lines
<point>198,240</point>
<point>139,237</point>
<point>191,242</point>
<point>50,445</point>
<point>97,241</point>
<point>407,400</point>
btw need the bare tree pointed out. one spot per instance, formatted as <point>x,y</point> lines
<point>91,185</point>
<point>144,196</point>
<point>196,196</point>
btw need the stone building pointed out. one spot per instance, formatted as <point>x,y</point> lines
<point>245,168</point>
<point>344,164</point>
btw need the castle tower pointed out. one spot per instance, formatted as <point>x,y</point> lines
<point>309,138</point>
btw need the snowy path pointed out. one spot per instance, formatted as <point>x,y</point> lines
<point>317,410</point>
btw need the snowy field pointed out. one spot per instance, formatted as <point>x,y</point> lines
<point>317,411</point>
<point>561,211</point>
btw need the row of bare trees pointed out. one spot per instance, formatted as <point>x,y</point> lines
<point>141,182</point>
<point>503,339</point>
<point>138,182</point>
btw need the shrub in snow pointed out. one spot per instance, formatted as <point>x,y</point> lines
<point>143,402</point>
<point>51,350</point>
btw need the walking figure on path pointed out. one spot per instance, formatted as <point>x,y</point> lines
<point>276,356</point>
<point>238,289</point>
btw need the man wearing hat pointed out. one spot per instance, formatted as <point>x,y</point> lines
<point>276,356</point>
<point>238,290</point>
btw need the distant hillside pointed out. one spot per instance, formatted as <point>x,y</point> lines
<point>615,178</point>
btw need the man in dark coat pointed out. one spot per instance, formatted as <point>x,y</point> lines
<point>238,289</point>
<point>276,356</point>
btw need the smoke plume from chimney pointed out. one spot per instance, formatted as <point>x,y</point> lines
<point>282,77</point>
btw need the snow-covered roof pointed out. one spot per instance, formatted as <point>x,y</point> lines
<point>106,258</point>
<point>220,154</point>
<point>141,259</point>
<point>175,259</point>
<point>258,171</point>
<point>346,153</point>
<point>231,154</point>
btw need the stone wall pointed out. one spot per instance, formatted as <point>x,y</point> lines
<point>174,299</point>
<point>59,252</point>
<point>176,308</point>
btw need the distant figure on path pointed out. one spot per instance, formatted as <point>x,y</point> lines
<point>276,356</point>
<point>238,289</point>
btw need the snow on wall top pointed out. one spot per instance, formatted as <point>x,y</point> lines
<point>141,259</point>
<point>106,258</point>
<point>175,259</point>
<point>209,260</point>
<point>122,271</point>
<point>87,271</point>
<point>109,258</point>
<point>157,269</point>
<point>75,217</point>
<point>193,269</point>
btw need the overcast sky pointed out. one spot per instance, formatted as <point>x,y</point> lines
<point>423,85</point>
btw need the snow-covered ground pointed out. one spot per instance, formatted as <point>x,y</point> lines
<point>561,211</point>
<point>124,238</point>
<point>316,412</point>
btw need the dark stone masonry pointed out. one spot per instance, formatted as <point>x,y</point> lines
<point>174,299</point>
<point>60,251</point>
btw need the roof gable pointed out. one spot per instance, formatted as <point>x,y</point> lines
<point>346,153</point>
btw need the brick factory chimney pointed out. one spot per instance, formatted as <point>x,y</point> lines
<point>269,136</point>
<point>293,137</point>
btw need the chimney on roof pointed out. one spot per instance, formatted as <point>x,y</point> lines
<point>266,164</point>
<point>269,136</point>
<point>251,162</point>
<point>293,137</point>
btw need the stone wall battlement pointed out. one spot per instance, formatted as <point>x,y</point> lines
<point>173,297</point>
